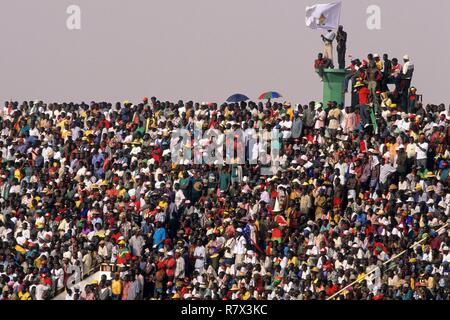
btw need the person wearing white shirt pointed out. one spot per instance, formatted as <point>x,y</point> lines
<point>286,126</point>
<point>421,152</point>
<point>445,254</point>
<point>200,256</point>
<point>265,196</point>
<point>58,276</point>
<point>41,290</point>
<point>408,68</point>
<point>34,132</point>
<point>240,247</point>
<point>328,40</point>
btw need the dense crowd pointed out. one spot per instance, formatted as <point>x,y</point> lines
<point>360,202</point>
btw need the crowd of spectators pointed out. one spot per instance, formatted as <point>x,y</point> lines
<point>358,207</point>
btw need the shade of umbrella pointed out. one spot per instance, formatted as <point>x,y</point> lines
<point>235,98</point>
<point>270,95</point>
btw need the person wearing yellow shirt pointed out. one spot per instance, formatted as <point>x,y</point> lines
<point>292,259</point>
<point>246,295</point>
<point>116,287</point>
<point>393,150</point>
<point>78,202</point>
<point>37,263</point>
<point>163,204</point>
<point>289,110</point>
<point>24,294</point>
<point>61,124</point>
<point>378,62</point>
<point>65,134</point>
<point>17,174</point>
<point>122,192</point>
<point>87,133</point>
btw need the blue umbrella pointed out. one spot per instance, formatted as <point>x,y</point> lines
<point>236,98</point>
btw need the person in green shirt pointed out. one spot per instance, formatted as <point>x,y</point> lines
<point>224,179</point>
<point>185,185</point>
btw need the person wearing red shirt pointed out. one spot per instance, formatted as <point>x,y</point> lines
<point>156,154</point>
<point>115,235</point>
<point>332,289</point>
<point>363,96</point>
<point>320,64</point>
<point>170,264</point>
<point>213,122</point>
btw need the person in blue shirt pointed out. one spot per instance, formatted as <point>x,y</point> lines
<point>97,158</point>
<point>361,218</point>
<point>159,236</point>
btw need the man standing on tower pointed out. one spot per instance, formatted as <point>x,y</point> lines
<point>328,40</point>
<point>341,39</point>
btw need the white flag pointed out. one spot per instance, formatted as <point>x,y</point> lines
<point>323,16</point>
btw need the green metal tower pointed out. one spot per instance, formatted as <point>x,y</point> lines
<point>333,85</point>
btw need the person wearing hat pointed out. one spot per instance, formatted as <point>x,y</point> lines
<point>179,267</point>
<point>170,265</point>
<point>123,253</point>
<point>405,80</point>
<point>320,116</point>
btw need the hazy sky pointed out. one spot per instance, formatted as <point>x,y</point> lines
<point>203,50</point>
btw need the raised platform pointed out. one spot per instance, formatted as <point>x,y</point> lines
<point>333,85</point>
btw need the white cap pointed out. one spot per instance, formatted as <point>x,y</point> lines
<point>405,57</point>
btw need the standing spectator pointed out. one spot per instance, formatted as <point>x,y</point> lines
<point>328,50</point>
<point>341,39</point>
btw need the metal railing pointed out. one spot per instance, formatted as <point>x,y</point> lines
<point>384,264</point>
